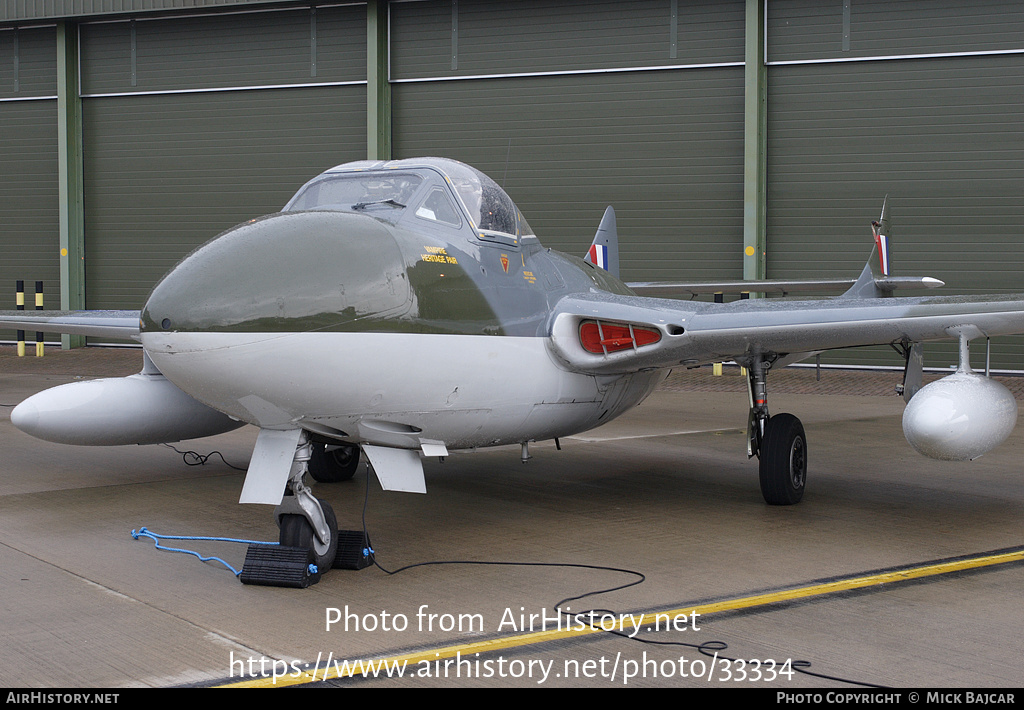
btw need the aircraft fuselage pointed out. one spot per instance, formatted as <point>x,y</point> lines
<point>355,325</point>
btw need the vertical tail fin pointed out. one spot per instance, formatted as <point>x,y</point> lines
<point>880,229</point>
<point>868,285</point>
<point>604,251</point>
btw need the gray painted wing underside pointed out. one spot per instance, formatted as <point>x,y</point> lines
<point>104,324</point>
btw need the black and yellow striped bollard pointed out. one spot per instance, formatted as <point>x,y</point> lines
<point>19,301</point>
<point>39,307</point>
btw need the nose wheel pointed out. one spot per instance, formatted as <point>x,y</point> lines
<point>296,531</point>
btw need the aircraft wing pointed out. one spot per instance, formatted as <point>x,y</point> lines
<point>776,286</point>
<point>613,334</point>
<point>104,324</point>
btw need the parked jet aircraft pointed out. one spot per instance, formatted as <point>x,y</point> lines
<point>404,309</point>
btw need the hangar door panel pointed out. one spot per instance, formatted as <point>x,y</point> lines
<point>29,211</point>
<point>236,50</point>
<point>167,173</point>
<point>942,136</point>
<point>193,125</point>
<point>29,206</point>
<point>667,154</point>
<point>439,38</point>
<point>586,104</point>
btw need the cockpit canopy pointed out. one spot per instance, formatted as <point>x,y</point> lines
<point>394,186</point>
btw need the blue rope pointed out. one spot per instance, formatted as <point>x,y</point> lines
<point>156,541</point>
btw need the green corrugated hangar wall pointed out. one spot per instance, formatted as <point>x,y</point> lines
<point>198,119</point>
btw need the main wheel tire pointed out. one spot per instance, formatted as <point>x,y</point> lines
<point>333,465</point>
<point>297,532</point>
<point>783,465</point>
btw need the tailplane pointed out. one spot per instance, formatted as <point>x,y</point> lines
<point>875,281</point>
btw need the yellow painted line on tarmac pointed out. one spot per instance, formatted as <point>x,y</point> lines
<point>410,660</point>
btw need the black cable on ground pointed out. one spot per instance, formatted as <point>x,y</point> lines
<point>194,458</point>
<point>709,649</point>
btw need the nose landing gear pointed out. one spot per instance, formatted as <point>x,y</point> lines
<point>309,536</point>
<point>306,521</point>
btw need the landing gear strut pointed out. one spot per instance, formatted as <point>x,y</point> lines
<point>779,442</point>
<point>306,521</point>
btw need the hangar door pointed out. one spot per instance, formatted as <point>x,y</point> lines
<point>194,124</point>
<point>573,106</point>
<point>29,208</point>
<point>920,101</point>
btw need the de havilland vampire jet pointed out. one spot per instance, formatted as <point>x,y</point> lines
<point>404,309</point>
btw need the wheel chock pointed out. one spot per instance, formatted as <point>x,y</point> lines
<point>353,550</point>
<point>279,566</point>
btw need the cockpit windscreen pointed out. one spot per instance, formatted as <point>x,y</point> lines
<point>357,192</point>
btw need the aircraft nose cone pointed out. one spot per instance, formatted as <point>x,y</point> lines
<point>289,272</point>
<point>25,417</point>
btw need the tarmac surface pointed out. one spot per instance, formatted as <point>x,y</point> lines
<point>665,491</point>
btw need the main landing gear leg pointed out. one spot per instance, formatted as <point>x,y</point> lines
<point>332,464</point>
<point>304,520</point>
<point>779,442</point>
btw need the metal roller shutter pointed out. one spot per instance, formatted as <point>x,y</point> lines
<point>29,206</point>
<point>574,106</point>
<point>665,152</point>
<point>203,122</point>
<point>166,173</point>
<point>940,134</point>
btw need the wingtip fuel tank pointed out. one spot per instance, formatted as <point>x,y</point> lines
<point>959,417</point>
<point>140,409</point>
